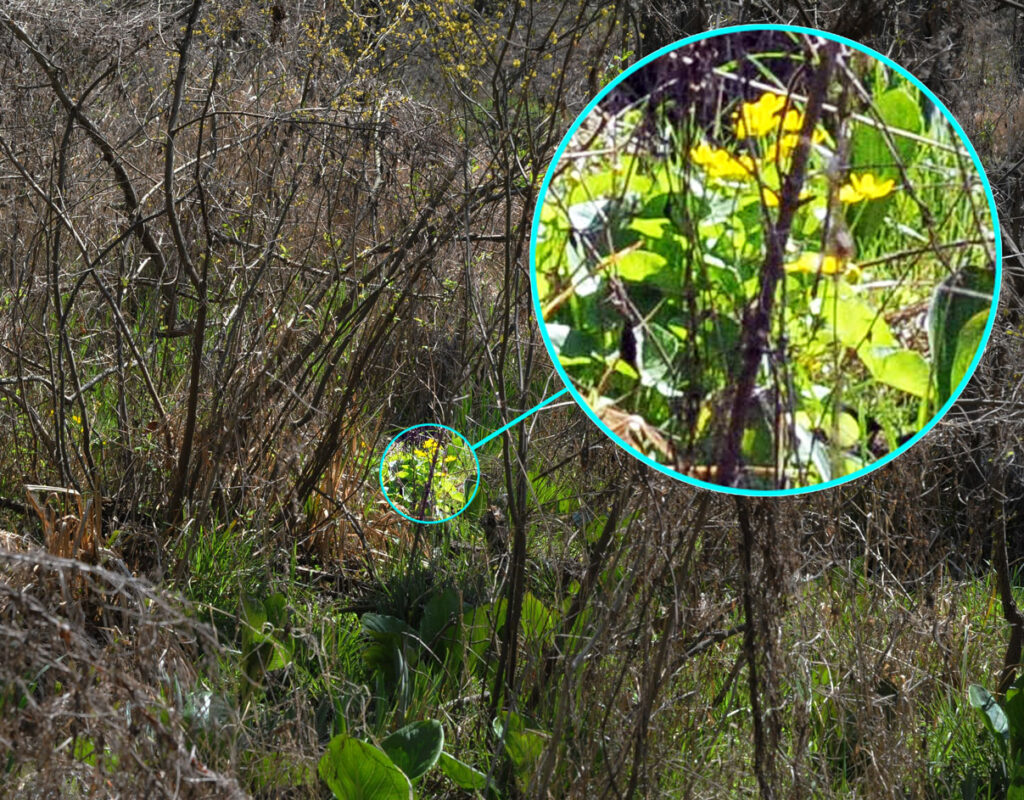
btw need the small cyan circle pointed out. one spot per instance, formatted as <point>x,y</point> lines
<point>429,473</point>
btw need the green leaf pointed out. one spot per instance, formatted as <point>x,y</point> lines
<point>355,770</point>
<point>461,774</point>
<point>85,751</point>
<point>1014,710</point>
<point>535,620</point>
<point>623,368</point>
<point>277,609</point>
<point>850,321</point>
<point>264,648</point>
<point>651,228</point>
<point>381,626</point>
<point>253,616</point>
<point>416,747</point>
<point>569,343</point>
<point>656,369</point>
<point>959,299</point>
<point>869,149</point>
<point>442,610</point>
<point>847,430</point>
<point>992,714</point>
<point>905,370</point>
<point>968,340</point>
<point>550,212</point>
<point>523,745</point>
<point>640,266</point>
<point>1015,791</point>
<point>388,653</point>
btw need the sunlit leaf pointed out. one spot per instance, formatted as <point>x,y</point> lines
<point>640,265</point>
<point>651,228</point>
<point>850,321</point>
<point>905,370</point>
<point>993,715</point>
<point>356,770</point>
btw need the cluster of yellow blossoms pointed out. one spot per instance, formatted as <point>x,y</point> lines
<point>769,114</point>
<point>772,115</point>
<point>765,115</point>
<point>719,163</point>
<point>428,449</point>
<point>429,446</point>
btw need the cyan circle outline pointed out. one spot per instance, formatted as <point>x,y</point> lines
<point>581,402</point>
<point>380,473</point>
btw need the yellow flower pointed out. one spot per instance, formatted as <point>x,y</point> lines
<point>865,187</point>
<point>787,144</point>
<point>703,154</point>
<point>793,121</point>
<point>759,117</point>
<point>729,166</point>
<point>771,198</point>
<point>720,163</point>
<point>808,264</point>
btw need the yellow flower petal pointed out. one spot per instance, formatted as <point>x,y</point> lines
<point>759,117</point>
<point>771,198</point>
<point>721,163</point>
<point>703,154</point>
<point>865,187</point>
<point>870,187</point>
<point>847,194</point>
<point>808,264</point>
<point>793,121</point>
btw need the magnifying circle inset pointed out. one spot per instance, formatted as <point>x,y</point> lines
<point>606,235</point>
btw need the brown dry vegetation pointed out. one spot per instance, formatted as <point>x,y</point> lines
<point>243,243</point>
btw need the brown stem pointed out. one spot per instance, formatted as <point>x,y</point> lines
<point>1011,612</point>
<point>757,319</point>
<point>199,329</point>
<point>761,756</point>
